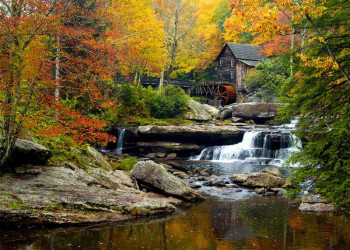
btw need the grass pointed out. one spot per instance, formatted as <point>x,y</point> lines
<point>125,164</point>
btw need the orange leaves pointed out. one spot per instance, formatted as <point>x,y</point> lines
<point>81,128</point>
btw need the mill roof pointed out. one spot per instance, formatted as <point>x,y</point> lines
<point>247,52</point>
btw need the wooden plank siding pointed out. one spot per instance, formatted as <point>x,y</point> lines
<point>232,69</point>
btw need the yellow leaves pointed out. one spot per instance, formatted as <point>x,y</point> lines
<point>267,20</point>
<point>323,64</point>
<point>138,35</point>
<point>316,39</point>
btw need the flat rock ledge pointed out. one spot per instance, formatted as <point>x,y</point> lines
<point>314,203</point>
<point>266,178</point>
<point>68,195</point>
<point>195,134</point>
<point>157,177</point>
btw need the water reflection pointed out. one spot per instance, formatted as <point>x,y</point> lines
<point>254,223</point>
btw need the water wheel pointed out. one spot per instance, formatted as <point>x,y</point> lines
<point>226,93</point>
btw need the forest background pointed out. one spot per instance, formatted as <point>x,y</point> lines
<point>61,62</point>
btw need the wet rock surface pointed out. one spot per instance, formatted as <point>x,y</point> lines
<point>170,149</point>
<point>156,176</point>
<point>313,203</point>
<point>258,112</point>
<point>61,195</point>
<point>194,134</point>
<point>268,177</point>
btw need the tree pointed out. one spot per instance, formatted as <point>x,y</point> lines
<point>137,36</point>
<point>49,50</point>
<point>319,91</point>
<point>22,65</point>
<point>192,38</point>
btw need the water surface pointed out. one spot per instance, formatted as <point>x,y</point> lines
<point>252,222</point>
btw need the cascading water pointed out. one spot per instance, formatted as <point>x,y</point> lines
<point>275,145</point>
<point>120,141</point>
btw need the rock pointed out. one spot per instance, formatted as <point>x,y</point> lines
<point>160,155</point>
<point>197,170</point>
<point>237,119</point>
<point>272,171</point>
<point>206,172</point>
<point>316,207</point>
<point>154,175</point>
<point>40,193</point>
<point>181,175</point>
<point>196,186</point>
<point>151,155</point>
<point>267,177</point>
<point>208,183</point>
<point>288,184</point>
<point>192,134</point>
<point>98,157</point>
<point>200,178</point>
<point>225,114</point>
<point>218,183</point>
<point>166,166</point>
<point>314,203</point>
<point>278,191</point>
<point>30,152</point>
<point>197,112</point>
<point>211,110</point>
<point>111,179</point>
<point>169,149</point>
<point>240,178</point>
<point>171,156</point>
<point>260,190</point>
<point>259,112</point>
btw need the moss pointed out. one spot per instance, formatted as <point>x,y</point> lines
<point>125,164</point>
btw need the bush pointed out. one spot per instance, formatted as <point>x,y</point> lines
<point>168,103</point>
<point>267,78</point>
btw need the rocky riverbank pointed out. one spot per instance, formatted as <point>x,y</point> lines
<point>68,194</point>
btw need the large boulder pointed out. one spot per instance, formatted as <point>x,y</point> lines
<point>268,177</point>
<point>313,203</point>
<point>258,112</point>
<point>98,157</point>
<point>157,177</point>
<point>225,112</point>
<point>30,152</point>
<point>197,112</point>
<point>213,111</point>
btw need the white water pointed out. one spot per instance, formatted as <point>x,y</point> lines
<point>120,140</point>
<point>274,146</point>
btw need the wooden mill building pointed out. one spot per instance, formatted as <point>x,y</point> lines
<point>235,61</point>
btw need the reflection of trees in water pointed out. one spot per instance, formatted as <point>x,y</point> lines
<point>258,222</point>
<point>245,222</point>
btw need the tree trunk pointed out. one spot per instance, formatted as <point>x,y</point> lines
<point>57,72</point>
<point>161,80</point>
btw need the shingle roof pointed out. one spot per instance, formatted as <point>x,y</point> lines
<point>249,62</point>
<point>247,52</point>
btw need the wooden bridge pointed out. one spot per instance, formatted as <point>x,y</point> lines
<point>222,90</point>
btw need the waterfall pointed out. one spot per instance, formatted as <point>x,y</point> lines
<point>120,140</point>
<point>255,145</point>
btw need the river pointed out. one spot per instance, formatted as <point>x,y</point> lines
<point>254,222</point>
<point>229,218</point>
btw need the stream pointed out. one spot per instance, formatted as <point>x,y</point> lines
<point>254,222</point>
<point>231,217</point>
